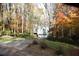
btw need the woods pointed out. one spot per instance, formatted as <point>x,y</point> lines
<point>55,21</point>
<point>66,21</point>
<point>39,29</point>
<point>20,18</point>
<point>59,21</point>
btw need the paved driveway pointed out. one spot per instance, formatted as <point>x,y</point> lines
<point>12,47</point>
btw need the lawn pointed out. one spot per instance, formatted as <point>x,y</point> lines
<point>61,48</point>
<point>7,39</point>
<point>59,45</point>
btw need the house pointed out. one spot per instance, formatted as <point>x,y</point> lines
<point>41,31</point>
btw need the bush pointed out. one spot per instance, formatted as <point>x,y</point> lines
<point>34,42</point>
<point>6,32</point>
<point>50,37</point>
<point>43,45</point>
<point>24,35</point>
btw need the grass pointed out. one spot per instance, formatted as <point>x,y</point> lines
<point>57,45</point>
<point>7,40</point>
<point>60,48</point>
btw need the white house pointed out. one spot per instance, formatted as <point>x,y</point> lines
<point>41,31</point>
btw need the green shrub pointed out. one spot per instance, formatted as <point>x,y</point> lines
<point>24,35</point>
<point>43,45</point>
<point>6,32</point>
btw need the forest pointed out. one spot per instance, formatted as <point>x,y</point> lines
<point>42,28</point>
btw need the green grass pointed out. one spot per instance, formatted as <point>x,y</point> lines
<point>57,45</point>
<point>7,40</point>
<point>59,48</point>
<point>3,40</point>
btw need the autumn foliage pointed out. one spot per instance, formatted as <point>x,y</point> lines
<point>66,23</point>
